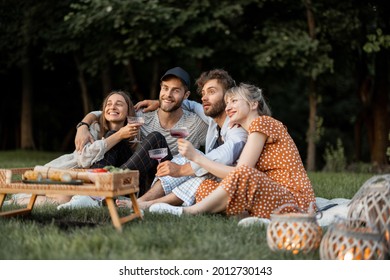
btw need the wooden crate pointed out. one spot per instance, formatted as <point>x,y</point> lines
<point>108,185</point>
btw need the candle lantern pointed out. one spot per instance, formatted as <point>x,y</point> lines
<point>348,239</point>
<point>293,232</point>
<point>372,204</point>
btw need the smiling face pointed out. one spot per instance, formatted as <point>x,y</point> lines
<point>116,109</point>
<point>237,109</point>
<point>212,98</point>
<point>172,94</point>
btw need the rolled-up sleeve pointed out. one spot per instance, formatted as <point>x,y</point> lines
<point>196,108</point>
<point>91,153</point>
<point>228,153</point>
<point>96,113</point>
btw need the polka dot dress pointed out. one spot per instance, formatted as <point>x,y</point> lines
<point>279,176</point>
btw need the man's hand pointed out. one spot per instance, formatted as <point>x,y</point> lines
<point>175,170</point>
<point>169,168</point>
<point>147,105</point>
<point>83,136</point>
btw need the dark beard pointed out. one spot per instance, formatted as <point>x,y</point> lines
<point>173,109</point>
<point>216,111</point>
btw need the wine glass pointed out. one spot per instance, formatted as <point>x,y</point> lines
<point>181,132</point>
<point>158,154</point>
<point>136,120</point>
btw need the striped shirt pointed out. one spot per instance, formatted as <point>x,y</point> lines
<point>195,125</point>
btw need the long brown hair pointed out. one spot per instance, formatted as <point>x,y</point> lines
<point>130,111</point>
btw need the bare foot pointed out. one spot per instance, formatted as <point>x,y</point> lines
<point>123,203</point>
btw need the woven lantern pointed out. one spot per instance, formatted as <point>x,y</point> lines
<point>372,204</point>
<point>349,239</point>
<point>293,232</point>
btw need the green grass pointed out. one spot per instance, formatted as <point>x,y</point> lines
<point>88,233</point>
<point>20,158</point>
<point>331,185</point>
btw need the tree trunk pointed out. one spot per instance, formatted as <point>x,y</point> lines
<point>135,93</point>
<point>26,132</point>
<point>68,142</point>
<point>364,117</point>
<point>312,130</point>
<point>154,92</point>
<point>83,86</point>
<point>106,81</point>
<point>380,114</point>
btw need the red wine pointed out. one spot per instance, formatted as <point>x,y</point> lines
<point>179,133</point>
<point>158,157</point>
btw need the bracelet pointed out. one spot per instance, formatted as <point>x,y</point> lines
<point>81,124</point>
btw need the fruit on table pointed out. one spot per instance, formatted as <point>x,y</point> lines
<point>98,170</point>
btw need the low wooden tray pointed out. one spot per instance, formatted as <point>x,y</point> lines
<point>108,185</point>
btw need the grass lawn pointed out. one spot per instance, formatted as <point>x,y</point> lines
<point>49,234</point>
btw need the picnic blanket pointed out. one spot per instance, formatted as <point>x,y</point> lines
<point>329,210</point>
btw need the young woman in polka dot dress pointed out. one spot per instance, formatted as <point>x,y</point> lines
<point>268,174</point>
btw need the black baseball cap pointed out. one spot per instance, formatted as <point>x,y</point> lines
<point>179,73</point>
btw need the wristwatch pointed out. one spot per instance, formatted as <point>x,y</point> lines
<point>82,123</point>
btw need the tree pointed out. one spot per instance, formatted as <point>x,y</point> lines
<point>20,25</point>
<point>363,37</point>
<point>377,46</point>
<point>292,41</point>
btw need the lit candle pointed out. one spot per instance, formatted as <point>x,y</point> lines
<point>349,255</point>
<point>367,253</point>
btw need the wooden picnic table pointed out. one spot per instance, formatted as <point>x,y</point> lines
<point>107,185</point>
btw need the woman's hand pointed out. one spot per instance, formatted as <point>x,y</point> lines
<point>186,149</point>
<point>129,131</point>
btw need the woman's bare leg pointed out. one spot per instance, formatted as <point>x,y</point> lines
<point>214,203</point>
<point>43,199</point>
<point>59,199</point>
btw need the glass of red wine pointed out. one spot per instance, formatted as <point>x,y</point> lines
<point>158,154</point>
<point>181,132</point>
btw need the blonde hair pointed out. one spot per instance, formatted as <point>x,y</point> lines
<point>250,93</point>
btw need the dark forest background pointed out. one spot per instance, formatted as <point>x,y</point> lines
<point>323,65</point>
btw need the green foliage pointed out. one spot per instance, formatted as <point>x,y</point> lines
<point>144,29</point>
<point>334,157</point>
<point>360,167</point>
<point>285,45</point>
<point>279,44</point>
<point>377,41</point>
